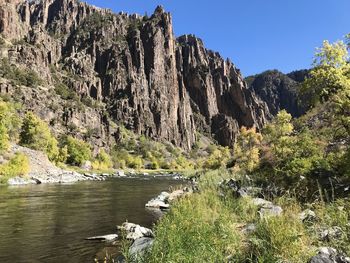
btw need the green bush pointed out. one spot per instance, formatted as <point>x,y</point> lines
<point>218,158</point>
<point>64,92</point>
<point>9,124</point>
<point>26,77</point>
<point>78,151</point>
<point>36,134</point>
<point>134,162</point>
<point>16,166</point>
<point>103,161</point>
<point>4,137</point>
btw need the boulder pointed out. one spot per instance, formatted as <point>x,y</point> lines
<point>332,233</point>
<point>22,181</point>
<point>249,228</point>
<point>105,238</point>
<point>175,195</point>
<point>329,255</point>
<point>261,202</point>
<point>161,201</point>
<point>120,174</point>
<point>140,247</point>
<point>87,165</point>
<point>238,190</point>
<point>273,210</point>
<point>307,216</point>
<point>266,208</point>
<point>134,231</point>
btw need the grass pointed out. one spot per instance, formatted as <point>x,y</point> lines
<point>207,227</point>
<point>198,229</point>
<point>335,214</point>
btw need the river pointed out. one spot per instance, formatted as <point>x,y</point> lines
<point>49,223</point>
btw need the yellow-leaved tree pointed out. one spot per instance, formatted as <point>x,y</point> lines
<point>246,149</point>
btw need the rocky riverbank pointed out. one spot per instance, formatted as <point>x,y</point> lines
<point>43,171</point>
<point>229,213</point>
<point>141,238</point>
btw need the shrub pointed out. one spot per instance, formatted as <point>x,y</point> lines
<point>36,135</point>
<point>26,77</point>
<point>246,149</point>
<point>9,124</point>
<point>17,166</point>
<point>4,137</point>
<point>134,162</point>
<point>63,155</point>
<point>64,92</point>
<point>103,161</point>
<point>78,151</point>
<point>218,158</point>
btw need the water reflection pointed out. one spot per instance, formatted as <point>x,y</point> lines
<point>48,223</point>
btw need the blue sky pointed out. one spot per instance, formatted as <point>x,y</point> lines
<point>255,34</point>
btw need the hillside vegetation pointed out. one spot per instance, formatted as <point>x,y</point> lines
<point>301,169</point>
<point>132,151</point>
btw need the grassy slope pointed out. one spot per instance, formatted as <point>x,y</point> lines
<point>207,227</point>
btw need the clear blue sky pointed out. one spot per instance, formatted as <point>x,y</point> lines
<point>255,34</point>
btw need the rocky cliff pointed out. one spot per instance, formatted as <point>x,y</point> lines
<point>279,91</point>
<point>125,69</point>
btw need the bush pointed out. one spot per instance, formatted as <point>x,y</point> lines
<point>218,158</point>
<point>4,137</point>
<point>35,134</point>
<point>246,149</point>
<point>64,92</point>
<point>134,162</point>
<point>103,161</point>
<point>17,166</point>
<point>26,77</point>
<point>9,124</point>
<point>78,151</point>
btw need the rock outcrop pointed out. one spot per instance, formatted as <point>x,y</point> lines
<point>279,91</point>
<point>133,67</point>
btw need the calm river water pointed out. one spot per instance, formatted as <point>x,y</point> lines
<point>48,223</point>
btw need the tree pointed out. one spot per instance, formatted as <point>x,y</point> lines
<point>36,135</point>
<point>78,151</point>
<point>330,72</point>
<point>277,134</point>
<point>103,161</point>
<point>9,124</point>
<point>4,137</point>
<point>246,149</point>
<point>218,158</point>
<point>330,79</point>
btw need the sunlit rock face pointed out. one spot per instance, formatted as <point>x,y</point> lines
<point>149,81</point>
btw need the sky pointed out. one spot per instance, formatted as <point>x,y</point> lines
<point>256,35</point>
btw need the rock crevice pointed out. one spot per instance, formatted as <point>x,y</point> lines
<point>151,82</point>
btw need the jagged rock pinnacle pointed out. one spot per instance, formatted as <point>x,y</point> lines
<point>159,10</point>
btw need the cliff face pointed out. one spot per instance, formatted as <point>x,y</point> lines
<point>133,66</point>
<point>279,91</point>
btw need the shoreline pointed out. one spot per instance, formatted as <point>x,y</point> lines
<point>66,176</point>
